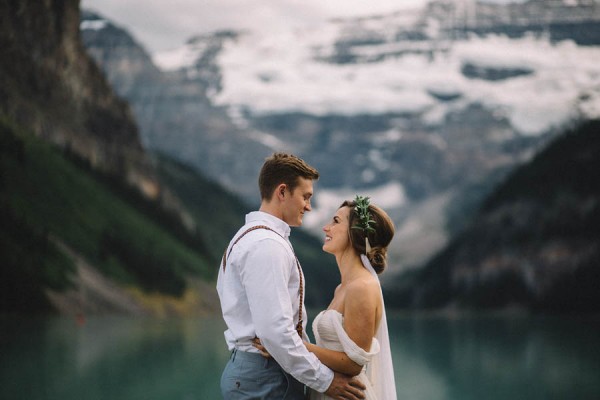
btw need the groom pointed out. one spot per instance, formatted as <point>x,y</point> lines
<point>261,288</point>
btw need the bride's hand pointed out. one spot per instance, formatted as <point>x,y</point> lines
<point>263,352</point>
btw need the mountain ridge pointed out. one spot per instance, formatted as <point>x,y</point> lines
<point>417,103</point>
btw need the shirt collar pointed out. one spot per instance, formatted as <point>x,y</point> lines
<point>272,221</point>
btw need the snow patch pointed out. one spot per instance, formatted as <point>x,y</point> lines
<point>172,60</point>
<point>300,81</point>
<point>93,25</point>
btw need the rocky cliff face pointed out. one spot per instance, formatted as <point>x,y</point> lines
<point>576,20</point>
<point>172,108</point>
<point>49,84</point>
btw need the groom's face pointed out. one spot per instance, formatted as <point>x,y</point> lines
<point>297,202</point>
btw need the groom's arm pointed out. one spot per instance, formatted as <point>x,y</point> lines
<point>265,278</point>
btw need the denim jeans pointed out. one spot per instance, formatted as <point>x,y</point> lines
<point>251,376</point>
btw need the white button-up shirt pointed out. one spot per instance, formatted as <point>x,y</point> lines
<point>259,293</point>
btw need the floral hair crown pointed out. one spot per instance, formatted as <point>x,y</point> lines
<point>364,218</point>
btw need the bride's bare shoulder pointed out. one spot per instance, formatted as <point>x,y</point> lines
<point>363,288</point>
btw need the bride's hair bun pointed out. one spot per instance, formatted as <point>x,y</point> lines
<point>378,258</point>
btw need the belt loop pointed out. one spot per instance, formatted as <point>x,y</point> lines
<point>266,362</point>
<point>233,353</point>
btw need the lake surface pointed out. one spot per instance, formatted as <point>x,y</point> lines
<point>435,358</point>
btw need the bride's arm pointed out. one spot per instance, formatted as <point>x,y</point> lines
<point>336,360</point>
<point>360,310</point>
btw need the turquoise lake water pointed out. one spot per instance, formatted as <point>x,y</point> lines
<point>435,358</point>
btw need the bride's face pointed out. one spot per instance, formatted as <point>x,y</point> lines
<point>337,236</point>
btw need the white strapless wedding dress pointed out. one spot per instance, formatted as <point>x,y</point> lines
<point>328,328</point>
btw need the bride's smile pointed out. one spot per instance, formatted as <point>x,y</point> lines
<point>336,232</point>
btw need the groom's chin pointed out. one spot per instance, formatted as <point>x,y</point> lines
<point>297,223</point>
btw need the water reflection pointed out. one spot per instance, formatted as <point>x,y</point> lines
<point>111,358</point>
<point>496,358</point>
<point>435,358</point>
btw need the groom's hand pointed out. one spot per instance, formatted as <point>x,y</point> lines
<point>345,387</point>
<point>263,351</point>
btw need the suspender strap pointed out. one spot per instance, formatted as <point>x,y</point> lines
<point>253,228</point>
<point>226,254</point>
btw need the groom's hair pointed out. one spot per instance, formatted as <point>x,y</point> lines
<point>283,168</point>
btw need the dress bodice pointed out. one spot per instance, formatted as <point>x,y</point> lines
<point>324,329</point>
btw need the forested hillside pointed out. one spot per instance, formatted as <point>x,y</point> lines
<point>535,243</point>
<point>53,201</point>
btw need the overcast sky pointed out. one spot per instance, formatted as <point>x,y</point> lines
<point>163,25</point>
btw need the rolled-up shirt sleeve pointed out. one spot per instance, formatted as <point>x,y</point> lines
<point>265,279</point>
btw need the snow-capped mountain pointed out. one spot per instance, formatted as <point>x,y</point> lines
<point>424,109</point>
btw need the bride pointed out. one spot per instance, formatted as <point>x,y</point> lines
<point>351,334</point>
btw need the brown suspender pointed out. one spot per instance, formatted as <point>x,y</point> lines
<point>253,228</point>
<point>299,327</point>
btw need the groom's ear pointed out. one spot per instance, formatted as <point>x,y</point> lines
<point>280,191</point>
